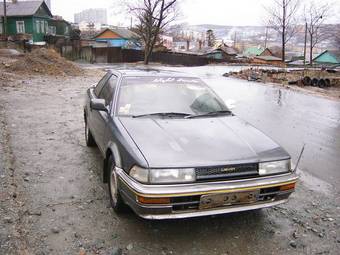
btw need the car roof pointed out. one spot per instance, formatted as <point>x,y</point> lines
<point>150,72</point>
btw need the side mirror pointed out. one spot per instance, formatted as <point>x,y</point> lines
<point>98,104</point>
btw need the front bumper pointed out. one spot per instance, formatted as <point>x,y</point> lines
<point>185,198</point>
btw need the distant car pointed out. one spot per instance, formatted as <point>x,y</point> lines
<point>173,149</point>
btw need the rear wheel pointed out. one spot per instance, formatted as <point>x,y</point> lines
<point>307,81</point>
<point>315,82</point>
<point>322,83</point>
<point>90,142</point>
<point>116,200</point>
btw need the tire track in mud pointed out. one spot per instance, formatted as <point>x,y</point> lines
<point>12,206</point>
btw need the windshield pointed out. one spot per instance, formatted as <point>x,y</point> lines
<point>150,95</point>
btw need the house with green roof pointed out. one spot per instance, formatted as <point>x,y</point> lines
<point>330,57</point>
<point>31,20</point>
<point>256,51</point>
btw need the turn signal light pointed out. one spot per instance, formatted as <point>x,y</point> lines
<point>152,200</point>
<point>287,187</point>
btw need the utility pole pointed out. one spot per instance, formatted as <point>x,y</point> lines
<point>305,46</point>
<point>5,20</point>
<point>284,27</point>
<point>266,39</point>
<point>235,37</point>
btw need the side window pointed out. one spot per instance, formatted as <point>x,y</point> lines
<point>100,84</point>
<point>109,89</point>
<point>20,26</point>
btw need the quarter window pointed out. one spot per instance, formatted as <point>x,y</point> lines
<point>20,26</point>
<point>100,84</point>
<point>108,89</point>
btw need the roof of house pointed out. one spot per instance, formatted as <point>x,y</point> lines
<point>20,8</point>
<point>253,51</point>
<point>268,58</point>
<point>227,49</point>
<point>122,32</point>
<point>334,53</point>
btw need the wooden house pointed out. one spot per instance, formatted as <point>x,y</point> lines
<point>32,20</point>
<point>118,37</point>
<point>328,57</point>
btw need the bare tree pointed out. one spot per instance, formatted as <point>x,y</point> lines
<point>210,37</point>
<point>336,40</point>
<point>152,18</point>
<point>282,18</point>
<point>315,16</point>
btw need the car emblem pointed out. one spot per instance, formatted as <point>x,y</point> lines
<point>228,169</point>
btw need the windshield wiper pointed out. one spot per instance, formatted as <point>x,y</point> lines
<point>214,113</point>
<point>162,114</point>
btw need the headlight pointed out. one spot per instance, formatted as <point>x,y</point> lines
<point>275,167</point>
<point>139,174</point>
<point>161,176</point>
<point>172,175</point>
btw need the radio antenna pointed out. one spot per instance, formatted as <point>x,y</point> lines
<point>299,158</point>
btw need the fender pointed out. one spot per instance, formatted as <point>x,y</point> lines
<point>113,149</point>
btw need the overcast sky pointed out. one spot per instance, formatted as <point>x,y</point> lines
<point>221,12</point>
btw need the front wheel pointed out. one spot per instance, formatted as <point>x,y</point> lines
<point>116,200</point>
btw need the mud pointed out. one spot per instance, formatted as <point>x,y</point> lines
<point>39,62</point>
<point>52,192</point>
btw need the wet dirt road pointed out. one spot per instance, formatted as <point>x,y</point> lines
<point>60,205</point>
<point>289,117</point>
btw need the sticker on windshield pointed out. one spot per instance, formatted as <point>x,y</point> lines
<point>175,80</point>
<point>125,109</point>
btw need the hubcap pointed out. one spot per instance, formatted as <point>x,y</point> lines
<point>113,186</point>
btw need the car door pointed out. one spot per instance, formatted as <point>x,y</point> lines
<point>100,118</point>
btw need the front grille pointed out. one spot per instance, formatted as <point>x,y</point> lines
<point>227,172</point>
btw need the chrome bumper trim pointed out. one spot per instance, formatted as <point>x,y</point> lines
<point>212,211</point>
<point>191,189</point>
<point>130,189</point>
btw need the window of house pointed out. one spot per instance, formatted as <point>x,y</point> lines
<point>37,25</point>
<point>42,27</point>
<point>1,26</point>
<point>20,26</point>
<point>46,26</point>
<point>52,30</point>
<point>66,30</point>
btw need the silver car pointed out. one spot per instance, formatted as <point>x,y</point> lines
<point>173,149</point>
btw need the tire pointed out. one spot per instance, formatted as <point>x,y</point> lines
<point>116,200</point>
<point>90,142</point>
<point>307,81</point>
<point>322,83</point>
<point>315,82</point>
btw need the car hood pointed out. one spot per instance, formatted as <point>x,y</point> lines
<point>200,142</point>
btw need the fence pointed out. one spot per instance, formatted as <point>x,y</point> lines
<point>119,55</point>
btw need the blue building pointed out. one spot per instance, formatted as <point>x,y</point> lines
<point>119,37</point>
